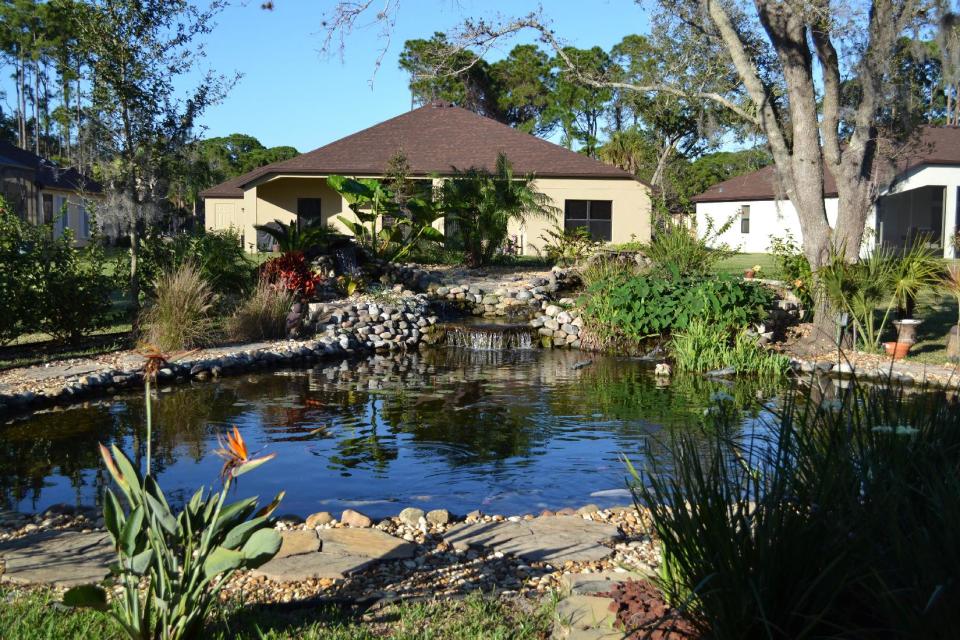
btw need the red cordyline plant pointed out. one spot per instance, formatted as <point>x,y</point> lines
<point>293,272</point>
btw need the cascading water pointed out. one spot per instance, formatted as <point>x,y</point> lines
<point>345,260</point>
<point>489,337</point>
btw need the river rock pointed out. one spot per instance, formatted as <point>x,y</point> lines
<point>355,519</point>
<point>411,516</point>
<point>319,519</point>
<point>438,516</point>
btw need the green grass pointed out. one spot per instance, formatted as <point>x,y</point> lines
<point>739,263</point>
<point>37,615</point>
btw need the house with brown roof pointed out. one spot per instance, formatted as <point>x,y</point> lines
<point>41,192</point>
<point>919,201</point>
<point>436,139</point>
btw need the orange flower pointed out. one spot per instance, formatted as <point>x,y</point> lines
<point>236,458</point>
<point>798,283</point>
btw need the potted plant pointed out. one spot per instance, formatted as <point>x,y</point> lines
<point>751,273</point>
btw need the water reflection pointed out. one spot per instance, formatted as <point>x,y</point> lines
<point>504,431</point>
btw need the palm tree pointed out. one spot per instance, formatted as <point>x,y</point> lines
<point>296,237</point>
<point>479,205</point>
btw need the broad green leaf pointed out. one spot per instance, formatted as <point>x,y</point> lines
<point>253,464</point>
<point>238,535</point>
<point>261,546</point>
<point>113,518</point>
<point>140,562</point>
<point>128,538</point>
<point>221,560</point>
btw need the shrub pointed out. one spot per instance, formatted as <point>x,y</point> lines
<point>74,290</point>
<point>218,255</point>
<point>635,308</point>
<point>292,272</point>
<point>47,284</point>
<point>566,247</point>
<point>701,347</point>
<point>603,267</point>
<point>793,267</point>
<point>677,249</point>
<point>838,518</point>
<point>263,315</point>
<point>20,296</point>
<point>179,315</point>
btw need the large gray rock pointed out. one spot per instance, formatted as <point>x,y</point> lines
<point>556,540</point>
<point>59,558</point>
<point>342,552</point>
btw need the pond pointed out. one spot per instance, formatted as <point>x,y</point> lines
<point>502,431</point>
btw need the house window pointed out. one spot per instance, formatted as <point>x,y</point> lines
<point>594,215</point>
<point>47,208</point>
<point>745,219</point>
<point>308,211</point>
<point>84,220</point>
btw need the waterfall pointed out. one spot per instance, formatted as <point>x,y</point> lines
<point>489,337</point>
<point>345,260</point>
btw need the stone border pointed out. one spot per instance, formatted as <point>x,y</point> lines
<point>401,326</point>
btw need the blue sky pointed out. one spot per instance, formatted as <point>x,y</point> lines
<point>291,94</point>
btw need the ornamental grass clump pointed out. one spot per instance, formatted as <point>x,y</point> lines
<point>833,517</point>
<point>179,316</point>
<point>263,315</point>
<point>171,566</point>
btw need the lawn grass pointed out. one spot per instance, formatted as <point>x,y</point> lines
<point>939,313</point>
<point>37,615</point>
<point>736,265</point>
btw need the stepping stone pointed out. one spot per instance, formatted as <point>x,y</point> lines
<point>59,558</point>
<point>579,614</point>
<point>297,542</point>
<point>551,539</point>
<point>342,552</point>
<point>588,584</point>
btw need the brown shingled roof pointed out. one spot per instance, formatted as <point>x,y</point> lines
<point>435,138</point>
<point>934,146</point>
<point>46,173</point>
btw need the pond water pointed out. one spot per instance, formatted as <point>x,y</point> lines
<point>502,431</point>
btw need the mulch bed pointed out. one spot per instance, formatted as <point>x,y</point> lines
<point>644,614</point>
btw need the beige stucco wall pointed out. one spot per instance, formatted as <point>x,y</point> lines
<point>276,199</point>
<point>631,209</point>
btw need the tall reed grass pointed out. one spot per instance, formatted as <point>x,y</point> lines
<point>179,315</point>
<point>263,315</point>
<point>838,518</point>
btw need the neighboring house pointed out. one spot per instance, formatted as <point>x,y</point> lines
<point>435,139</point>
<point>920,201</point>
<point>38,191</point>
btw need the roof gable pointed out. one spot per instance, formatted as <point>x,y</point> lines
<point>46,173</point>
<point>436,139</point>
<point>934,146</point>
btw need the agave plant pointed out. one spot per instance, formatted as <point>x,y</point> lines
<point>183,558</point>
